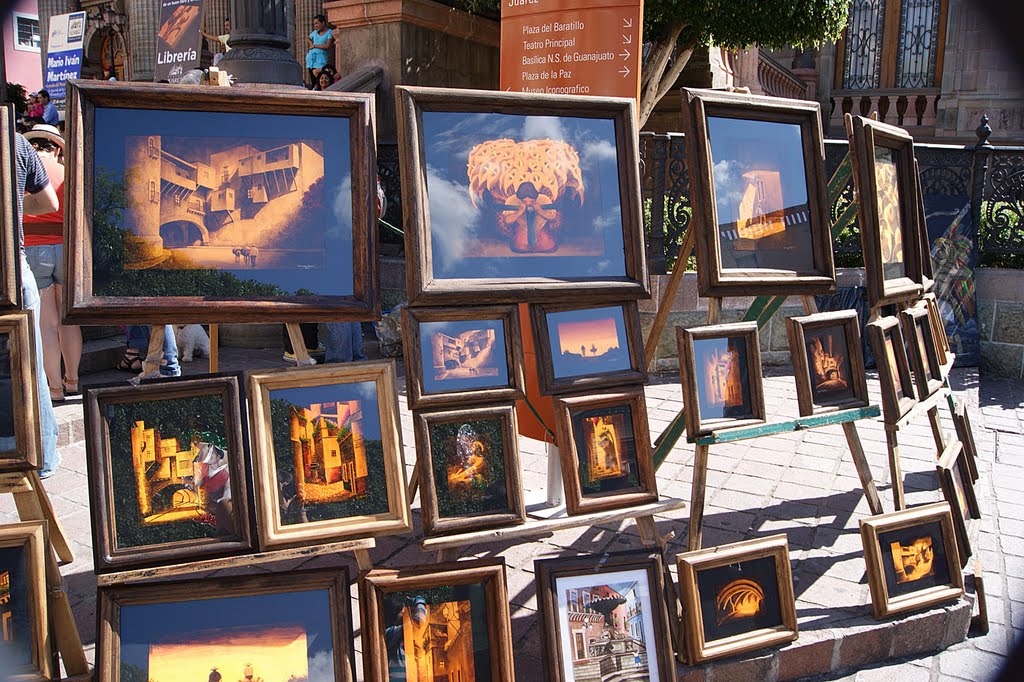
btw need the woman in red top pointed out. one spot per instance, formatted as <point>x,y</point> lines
<point>45,251</point>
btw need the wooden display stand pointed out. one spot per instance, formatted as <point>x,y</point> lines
<point>33,505</point>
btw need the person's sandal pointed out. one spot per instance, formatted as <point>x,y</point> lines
<point>131,361</point>
<point>71,388</point>
<point>57,395</point>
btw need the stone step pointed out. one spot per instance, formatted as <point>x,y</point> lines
<point>101,354</point>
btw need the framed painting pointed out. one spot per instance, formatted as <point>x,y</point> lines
<point>451,617</point>
<point>606,456</point>
<point>605,612</point>
<point>721,375</point>
<point>24,626</point>
<point>965,434</point>
<point>923,350</point>
<point>201,204</point>
<point>912,560</point>
<point>587,348</point>
<point>894,374</point>
<point>739,598</point>
<point>945,353</point>
<point>20,447</point>
<point>926,271</point>
<point>167,472</point>
<point>456,356</point>
<point>757,168</point>
<point>10,260</point>
<point>469,464</point>
<point>958,491</point>
<point>827,361</point>
<point>327,458</point>
<point>519,197</point>
<point>284,626</point>
<point>888,209</point>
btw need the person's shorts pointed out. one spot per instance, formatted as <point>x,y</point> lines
<point>47,263</point>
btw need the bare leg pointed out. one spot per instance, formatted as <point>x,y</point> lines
<point>49,321</point>
<point>70,342</point>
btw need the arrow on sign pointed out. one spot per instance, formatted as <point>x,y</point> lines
<point>627,40</point>
<point>624,71</point>
<point>624,54</point>
<point>627,23</point>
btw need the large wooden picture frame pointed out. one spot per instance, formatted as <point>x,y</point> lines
<point>912,560</point>
<point>160,500</point>
<point>455,592</point>
<point>827,361</point>
<point>711,582</point>
<point>469,463</point>
<point>23,548</point>
<point>720,366</point>
<point>342,425</point>
<point>485,225</point>
<point>926,271</point>
<point>894,373</point>
<point>558,328</point>
<point>773,235</point>
<point>923,349</point>
<point>251,226</point>
<point>20,445</point>
<point>958,490</point>
<point>448,363</point>
<point>10,259</point>
<point>567,590</point>
<point>888,210</point>
<point>261,623</point>
<point>606,456</point>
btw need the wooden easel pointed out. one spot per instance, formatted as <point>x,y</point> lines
<point>33,505</point>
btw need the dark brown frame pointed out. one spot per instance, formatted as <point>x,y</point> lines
<point>646,492</point>
<point>945,352</point>
<point>106,554</point>
<point>965,434</point>
<point>32,537</point>
<point>884,606</point>
<point>926,273</point>
<point>515,514</point>
<point>550,570</point>
<point>636,374</point>
<point>113,597</point>
<point>926,363</point>
<point>953,456</point>
<point>797,327</point>
<point>695,424</point>
<point>865,134</point>
<point>82,306</point>
<point>488,572</point>
<point>24,393</point>
<point>423,288</point>
<point>697,649</point>
<point>894,405</point>
<point>10,258</point>
<point>509,316</point>
<point>712,279</point>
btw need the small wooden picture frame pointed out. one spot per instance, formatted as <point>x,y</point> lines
<point>577,597</point>
<point>458,356</point>
<point>894,373</point>
<point>168,479</point>
<point>513,197</point>
<point>588,347</point>
<point>328,462</point>
<point>469,464</point>
<point>721,376</point>
<point>607,461</point>
<point>757,168</point>
<point>923,350</point>
<point>425,599</point>
<point>912,560</point>
<point>939,330</point>
<point>926,271</point>
<point>10,259</point>
<point>280,626</point>
<point>20,445</point>
<point>965,434</point>
<point>885,180</point>
<point>736,598</point>
<point>958,491</point>
<point>25,633</point>
<point>828,362</point>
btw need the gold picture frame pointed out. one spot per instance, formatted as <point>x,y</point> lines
<point>24,545</point>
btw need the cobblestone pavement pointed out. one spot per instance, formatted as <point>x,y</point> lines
<point>802,484</point>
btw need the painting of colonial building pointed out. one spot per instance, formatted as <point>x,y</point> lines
<point>606,633</point>
<point>469,354</point>
<point>164,477</point>
<point>329,451</point>
<point>438,644</point>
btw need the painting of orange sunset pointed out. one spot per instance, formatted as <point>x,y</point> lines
<point>276,653</point>
<point>586,342</point>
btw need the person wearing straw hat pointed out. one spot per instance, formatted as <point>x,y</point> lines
<point>45,252</point>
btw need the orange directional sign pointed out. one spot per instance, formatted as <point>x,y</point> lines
<point>572,47</point>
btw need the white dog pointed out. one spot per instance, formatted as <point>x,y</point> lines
<point>192,341</point>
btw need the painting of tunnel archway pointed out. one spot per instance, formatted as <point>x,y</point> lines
<point>223,201</point>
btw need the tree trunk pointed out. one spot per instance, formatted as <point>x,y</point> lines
<point>658,77</point>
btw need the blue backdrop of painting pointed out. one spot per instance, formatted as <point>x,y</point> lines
<point>953,235</point>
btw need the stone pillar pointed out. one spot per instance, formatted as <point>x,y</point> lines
<point>141,29</point>
<point>214,14</point>
<point>259,44</point>
<point>305,10</point>
<point>47,9</point>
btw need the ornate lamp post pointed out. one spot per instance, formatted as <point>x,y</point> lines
<point>259,44</point>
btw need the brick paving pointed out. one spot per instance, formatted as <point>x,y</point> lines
<point>802,484</point>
